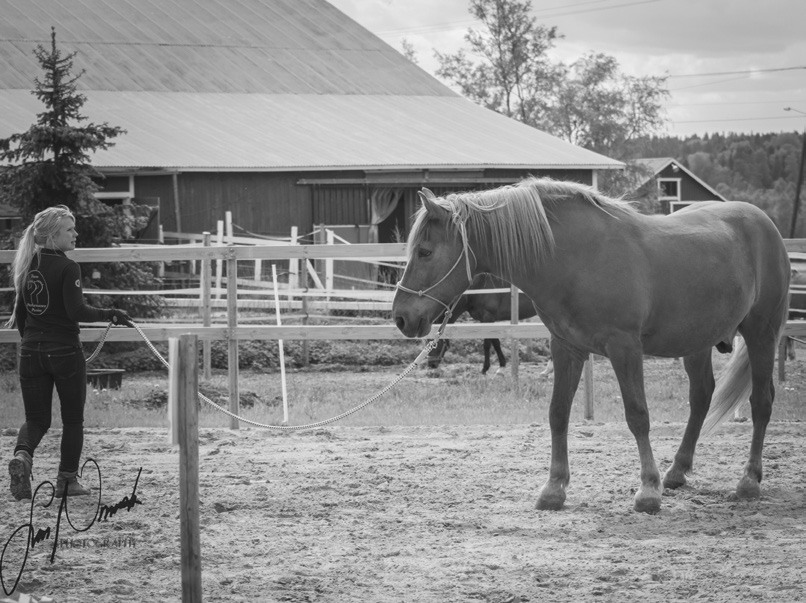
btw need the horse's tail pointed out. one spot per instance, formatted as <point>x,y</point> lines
<point>732,388</point>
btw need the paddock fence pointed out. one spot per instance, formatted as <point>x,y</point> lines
<point>229,255</point>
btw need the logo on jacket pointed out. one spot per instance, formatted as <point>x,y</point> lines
<point>36,293</point>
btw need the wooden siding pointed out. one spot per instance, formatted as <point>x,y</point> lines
<point>270,203</point>
<point>340,205</point>
<point>690,189</point>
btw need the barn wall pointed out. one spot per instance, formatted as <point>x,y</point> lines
<point>270,203</point>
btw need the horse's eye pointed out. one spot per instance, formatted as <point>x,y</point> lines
<point>423,253</point>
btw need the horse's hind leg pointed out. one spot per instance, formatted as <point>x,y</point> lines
<point>502,360</point>
<point>486,366</point>
<point>701,388</point>
<point>762,366</point>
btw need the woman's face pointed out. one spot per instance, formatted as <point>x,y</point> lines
<point>65,237</point>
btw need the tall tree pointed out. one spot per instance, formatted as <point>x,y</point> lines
<point>599,108</point>
<point>513,74</point>
<point>590,103</point>
<point>49,164</point>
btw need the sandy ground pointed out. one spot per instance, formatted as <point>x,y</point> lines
<point>437,514</point>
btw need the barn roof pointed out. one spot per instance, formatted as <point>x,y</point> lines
<point>257,85</point>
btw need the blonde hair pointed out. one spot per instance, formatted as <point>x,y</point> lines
<point>38,235</point>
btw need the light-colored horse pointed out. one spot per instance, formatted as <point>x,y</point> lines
<point>606,279</point>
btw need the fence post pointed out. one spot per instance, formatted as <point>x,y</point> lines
<point>293,266</point>
<point>514,316</point>
<point>306,356</point>
<point>187,399</point>
<point>589,388</point>
<point>206,278</point>
<point>161,241</point>
<point>219,264</point>
<point>232,344</point>
<point>330,240</point>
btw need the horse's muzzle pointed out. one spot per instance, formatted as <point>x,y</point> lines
<point>412,328</point>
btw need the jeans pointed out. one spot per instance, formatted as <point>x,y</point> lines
<point>43,365</point>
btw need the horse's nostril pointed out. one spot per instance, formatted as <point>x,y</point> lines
<point>400,323</point>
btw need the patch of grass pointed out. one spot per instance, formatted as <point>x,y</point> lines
<point>455,394</point>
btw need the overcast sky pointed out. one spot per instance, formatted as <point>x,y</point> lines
<point>733,64</point>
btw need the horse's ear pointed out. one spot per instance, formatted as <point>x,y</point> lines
<point>428,200</point>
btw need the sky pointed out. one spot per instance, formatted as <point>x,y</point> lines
<point>732,65</point>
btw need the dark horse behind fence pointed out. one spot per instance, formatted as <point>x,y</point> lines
<point>484,307</point>
<point>608,280</point>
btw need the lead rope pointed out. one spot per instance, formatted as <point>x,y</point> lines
<point>420,357</point>
<point>97,351</point>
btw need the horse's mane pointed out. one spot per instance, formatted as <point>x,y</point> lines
<point>517,216</point>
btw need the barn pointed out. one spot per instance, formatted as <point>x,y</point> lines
<point>675,185</point>
<point>284,112</point>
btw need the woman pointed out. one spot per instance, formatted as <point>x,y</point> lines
<point>49,304</point>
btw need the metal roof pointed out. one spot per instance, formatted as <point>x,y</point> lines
<point>279,132</point>
<point>273,85</point>
<point>260,46</point>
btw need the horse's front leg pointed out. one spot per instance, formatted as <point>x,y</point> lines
<point>628,364</point>
<point>568,366</point>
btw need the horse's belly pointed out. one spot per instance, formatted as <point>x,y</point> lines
<point>686,334</point>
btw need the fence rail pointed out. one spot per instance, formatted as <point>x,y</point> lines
<point>232,333</point>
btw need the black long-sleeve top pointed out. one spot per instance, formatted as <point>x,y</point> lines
<point>52,301</point>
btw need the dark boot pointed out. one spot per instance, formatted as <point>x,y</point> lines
<point>19,468</point>
<point>68,479</point>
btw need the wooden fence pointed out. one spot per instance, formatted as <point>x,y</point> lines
<point>232,332</point>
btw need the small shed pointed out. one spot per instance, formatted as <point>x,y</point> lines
<point>675,184</point>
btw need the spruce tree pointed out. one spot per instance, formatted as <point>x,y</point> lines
<point>49,164</point>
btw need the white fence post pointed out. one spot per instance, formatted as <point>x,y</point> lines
<point>206,282</point>
<point>219,264</point>
<point>329,265</point>
<point>293,266</point>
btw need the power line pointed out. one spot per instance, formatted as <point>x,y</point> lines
<point>707,121</point>
<point>733,79</point>
<point>460,24</point>
<point>743,72</point>
<point>769,102</point>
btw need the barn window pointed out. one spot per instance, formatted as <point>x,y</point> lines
<point>669,189</point>
<point>676,206</point>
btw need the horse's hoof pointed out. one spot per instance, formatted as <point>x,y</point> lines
<point>674,479</point>
<point>647,502</point>
<point>550,500</point>
<point>748,489</point>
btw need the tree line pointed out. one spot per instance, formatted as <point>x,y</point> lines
<point>506,66</point>
<point>761,169</point>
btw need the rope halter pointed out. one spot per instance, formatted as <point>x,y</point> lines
<point>466,252</point>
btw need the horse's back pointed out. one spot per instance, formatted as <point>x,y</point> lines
<point>715,266</point>
<point>754,237</point>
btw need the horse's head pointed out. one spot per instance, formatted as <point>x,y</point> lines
<point>438,268</point>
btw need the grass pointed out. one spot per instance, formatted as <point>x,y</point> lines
<point>456,394</point>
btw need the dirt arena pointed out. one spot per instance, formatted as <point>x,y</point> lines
<point>424,514</point>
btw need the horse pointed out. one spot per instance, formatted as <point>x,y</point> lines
<point>484,307</point>
<point>606,279</point>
